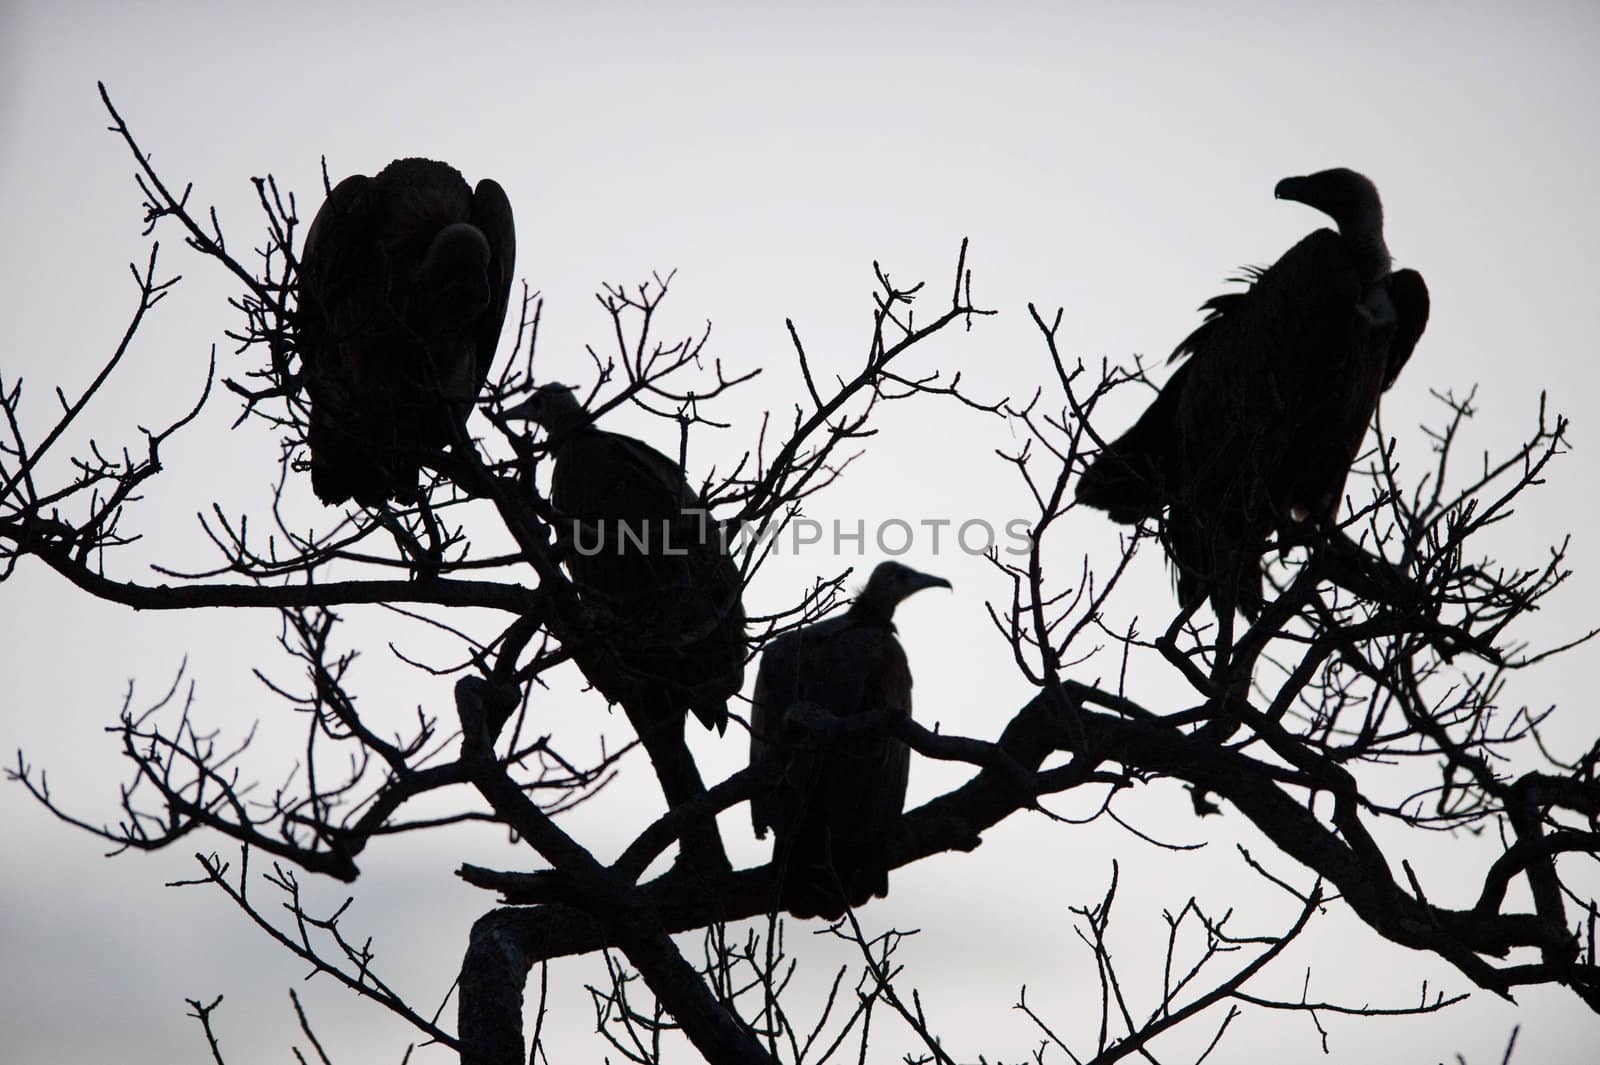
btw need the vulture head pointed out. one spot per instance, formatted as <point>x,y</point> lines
<point>890,584</point>
<point>455,272</point>
<point>553,407</point>
<point>1342,194</point>
<point>1351,200</point>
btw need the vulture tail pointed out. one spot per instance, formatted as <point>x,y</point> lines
<point>1214,564</point>
<point>810,893</point>
<point>805,879</point>
<point>713,715</point>
<point>346,466</point>
<point>816,881</point>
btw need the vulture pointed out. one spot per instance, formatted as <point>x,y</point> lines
<point>1255,433</point>
<point>644,552</point>
<point>664,593</point>
<point>835,796</point>
<point>404,281</point>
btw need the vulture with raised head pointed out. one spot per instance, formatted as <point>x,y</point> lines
<point>404,281</point>
<point>1256,432</point>
<point>837,795</point>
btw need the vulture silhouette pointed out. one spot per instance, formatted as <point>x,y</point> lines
<point>404,281</point>
<point>1256,432</point>
<point>645,552</point>
<point>654,571</point>
<point>836,796</point>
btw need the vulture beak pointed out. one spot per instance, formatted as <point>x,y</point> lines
<point>552,407</point>
<point>1291,188</point>
<point>522,411</point>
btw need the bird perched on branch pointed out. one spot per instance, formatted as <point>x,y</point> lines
<point>1256,432</point>
<point>663,592</point>
<point>404,281</point>
<point>840,787</point>
<point>644,551</point>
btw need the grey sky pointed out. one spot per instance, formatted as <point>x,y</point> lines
<point>1115,160</point>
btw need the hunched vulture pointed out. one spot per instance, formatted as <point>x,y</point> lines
<point>646,552</point>
<point>404,281</point>
<point>1256,432</point>
<point>662,589</point>
<point>836,796</point>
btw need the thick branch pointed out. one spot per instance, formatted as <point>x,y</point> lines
<point>513,598</point>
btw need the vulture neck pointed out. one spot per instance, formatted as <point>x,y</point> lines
<point>556,440</point>
<point>870,609</point>
<point>1364,231</point>
<point>559,432</point>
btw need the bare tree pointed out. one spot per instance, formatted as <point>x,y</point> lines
<point>1393,642</point>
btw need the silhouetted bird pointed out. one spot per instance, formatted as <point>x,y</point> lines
<point>655,571</point>
<point>1256,432</point>
<point>837,796</point>
<point>644,550</point>
<point>404,281</point>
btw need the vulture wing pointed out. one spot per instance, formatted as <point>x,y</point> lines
<point>491,213</point>
<point>646,548</point>
<point>777,687</point>
<point>1410,298</point>
<point>1216,308</point>
<point>342,325</point>
<point>1127,479</point>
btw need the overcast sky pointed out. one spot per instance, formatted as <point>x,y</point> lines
<point>1116,161</point>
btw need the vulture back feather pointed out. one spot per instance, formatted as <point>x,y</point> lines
<point>836,796</point>
<point>404,281</point>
